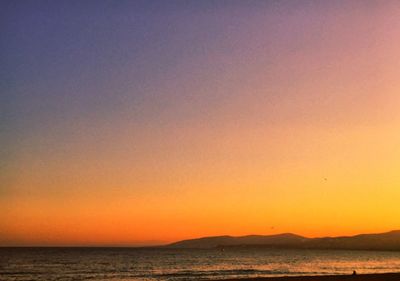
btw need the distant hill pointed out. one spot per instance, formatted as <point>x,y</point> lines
<point>215,241</point>
<point>383,241</point>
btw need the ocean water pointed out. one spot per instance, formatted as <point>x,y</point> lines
<point>181,264</point>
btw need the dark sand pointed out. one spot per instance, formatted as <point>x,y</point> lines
<point>359,277</point>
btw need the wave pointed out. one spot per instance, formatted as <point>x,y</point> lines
<point>223,272</point>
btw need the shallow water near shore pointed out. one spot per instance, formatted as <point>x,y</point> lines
<point>184,264</point>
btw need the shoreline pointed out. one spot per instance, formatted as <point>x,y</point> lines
<point>358,277</point>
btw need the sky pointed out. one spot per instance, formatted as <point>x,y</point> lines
<point>146,122</point>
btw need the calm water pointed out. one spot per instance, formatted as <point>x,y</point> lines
<point>168,264</point>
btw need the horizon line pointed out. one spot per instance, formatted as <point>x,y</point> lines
<point>169,243</point>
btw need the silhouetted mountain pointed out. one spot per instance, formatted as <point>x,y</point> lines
<point>382,241</point>
<point>211,242</point>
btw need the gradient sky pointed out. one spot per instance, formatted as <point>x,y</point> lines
<point>145,122</point>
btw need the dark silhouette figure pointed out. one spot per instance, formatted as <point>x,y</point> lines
<point>354,272</point>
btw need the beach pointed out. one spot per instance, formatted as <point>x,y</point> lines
<point>358,277</point>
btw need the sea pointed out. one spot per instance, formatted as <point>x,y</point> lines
<point>120,264</point>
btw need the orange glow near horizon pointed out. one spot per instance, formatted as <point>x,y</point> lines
<point>280,122</point>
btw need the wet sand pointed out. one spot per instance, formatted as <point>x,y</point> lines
<point>358,277</point>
